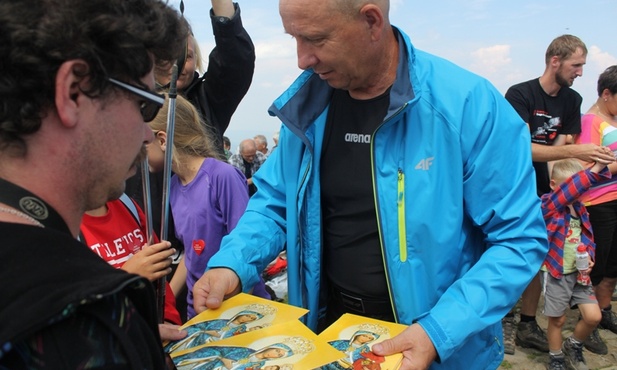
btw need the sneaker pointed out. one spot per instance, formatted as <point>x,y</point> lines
<point>595,344</point>
<point>529,335</point>
<point>556,362</point>
<point>509,333</point>
<point>609,321</point>
<point>574,355</point>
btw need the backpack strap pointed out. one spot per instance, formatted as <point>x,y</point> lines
<point>128,203</point>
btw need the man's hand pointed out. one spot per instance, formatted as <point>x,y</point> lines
<point>585,152</point>
<point>171,332</point>
<point>152,262</point>
<point>417,348</point>
<point>593,153</point>
<point>213,287</point>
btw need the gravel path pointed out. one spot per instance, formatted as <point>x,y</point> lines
<point>530,359</point>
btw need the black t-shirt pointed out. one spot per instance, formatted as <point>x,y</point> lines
<point>248,173</point>
<point>352,251</point>
<point>547,116</point>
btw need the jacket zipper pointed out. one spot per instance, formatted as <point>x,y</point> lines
<point>381,242</point>
<point>402,230</point>
<point>300,231</point>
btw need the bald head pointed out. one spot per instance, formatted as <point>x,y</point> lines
<point>345,7</point>
<point>351,7</point>
<point>357,52</point>
<point>248,150</point>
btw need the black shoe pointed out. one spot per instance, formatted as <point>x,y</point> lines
<point>609,321</point>
<point>574,355</point>
<point>556,362</point>
<point>529,335</point>
<point>508,326</point>
<point>595,344</point>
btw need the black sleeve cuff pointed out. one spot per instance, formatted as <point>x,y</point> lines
<point>224,20</point>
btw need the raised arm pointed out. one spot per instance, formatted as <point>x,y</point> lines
<point>231,64</point>
<point>223,8</point>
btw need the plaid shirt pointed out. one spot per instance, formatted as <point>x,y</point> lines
<point>557,216</point>
<point>237,161</point>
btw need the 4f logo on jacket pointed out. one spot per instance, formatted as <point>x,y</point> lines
<point>425,164</point>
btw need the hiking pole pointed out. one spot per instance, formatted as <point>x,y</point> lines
<point>145,184</point>
<point>171,121</point>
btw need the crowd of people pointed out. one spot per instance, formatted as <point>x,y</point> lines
<point>389,190</point>
<point>552,110</point>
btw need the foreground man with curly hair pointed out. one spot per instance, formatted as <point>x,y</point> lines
<point>76,86</point>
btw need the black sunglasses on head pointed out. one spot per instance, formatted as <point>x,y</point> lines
<point>149,107</point>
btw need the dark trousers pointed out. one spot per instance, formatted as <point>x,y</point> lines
<point>341,302</point>
<point>603,218</point>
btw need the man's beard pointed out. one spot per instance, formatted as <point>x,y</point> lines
<point>562,81</point>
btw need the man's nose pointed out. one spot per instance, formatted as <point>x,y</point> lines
<point>306,55</point>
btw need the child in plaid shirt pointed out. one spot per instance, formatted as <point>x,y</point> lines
<point>567,223</point>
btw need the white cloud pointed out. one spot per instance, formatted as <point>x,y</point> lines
<point>490,60</point>
<point>601,59</point>
<point>275,49</point>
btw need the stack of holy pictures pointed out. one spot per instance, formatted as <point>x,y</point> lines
<point>250,333</point>
<point>354,336</point>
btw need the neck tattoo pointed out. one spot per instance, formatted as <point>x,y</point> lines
<point>17,213</point>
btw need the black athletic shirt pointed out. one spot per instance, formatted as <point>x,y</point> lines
<point>547,116</point>
<point>352,251</point>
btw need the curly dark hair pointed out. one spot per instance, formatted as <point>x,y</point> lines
<point>117,38</point>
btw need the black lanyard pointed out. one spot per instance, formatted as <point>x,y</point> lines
<point>33,206</point>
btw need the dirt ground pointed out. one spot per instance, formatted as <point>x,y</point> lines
<point>531,359</point>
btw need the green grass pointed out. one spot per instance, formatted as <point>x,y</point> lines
<point>534,355</point>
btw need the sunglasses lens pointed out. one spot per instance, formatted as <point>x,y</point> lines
<point>149,110</point>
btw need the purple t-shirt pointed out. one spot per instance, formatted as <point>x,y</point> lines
<point>204,211</point>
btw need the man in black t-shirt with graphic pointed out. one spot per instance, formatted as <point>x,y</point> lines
<point>550,119</point>
<point>551,109</point>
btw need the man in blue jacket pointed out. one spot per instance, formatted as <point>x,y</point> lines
<point>402,187</point>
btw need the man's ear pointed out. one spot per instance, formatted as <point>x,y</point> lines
<point>555,61</point>
<point>374,19</point>
<point>68,92</point>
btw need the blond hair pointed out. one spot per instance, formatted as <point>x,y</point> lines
<point>199,64</point>
<point>190,136</point>
<point>564,168</point>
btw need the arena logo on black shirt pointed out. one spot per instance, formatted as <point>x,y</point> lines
<point>358,138</point>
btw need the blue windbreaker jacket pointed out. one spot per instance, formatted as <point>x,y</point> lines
<point>459,220</point>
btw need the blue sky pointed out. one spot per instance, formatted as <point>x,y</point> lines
<point>503,41</point>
